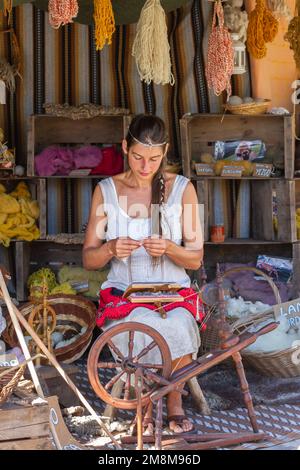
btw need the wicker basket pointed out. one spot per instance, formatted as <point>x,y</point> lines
<point>9,379</point>
<point>248,108</point>
<point>210,337</point>
<point>68,308</point>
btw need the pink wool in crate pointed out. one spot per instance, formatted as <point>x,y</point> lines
<point>88,156</point>
<point>54,160</point>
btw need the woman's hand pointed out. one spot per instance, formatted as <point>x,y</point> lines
<point>156,246</point>
<point>123,247</point>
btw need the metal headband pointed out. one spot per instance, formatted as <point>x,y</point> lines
<point>149,144</point>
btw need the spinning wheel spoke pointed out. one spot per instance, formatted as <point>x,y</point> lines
<point>108,365</point>
<point>115,350</point>
<point>145,351</point>
<point>127,387</point>
<point>130,343</point>
<point>114,380</point>
<point>152,366</point>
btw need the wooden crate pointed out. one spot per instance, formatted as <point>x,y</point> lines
<point>45,130</point>
<point>29,257</point>
<point>37,188</point>
<point>245,251</point>
<point>264,193</point>
<point>199,132</point>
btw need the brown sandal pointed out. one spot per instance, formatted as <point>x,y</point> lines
<point>178,419</point>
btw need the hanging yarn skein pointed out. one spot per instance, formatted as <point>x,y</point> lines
<point>62,12</point>
<point>293,35</point>
<point>7,9</point>
<point>220,56</point>
<point>262,28</point>
<point>104,23</point>
<point>151,47</point>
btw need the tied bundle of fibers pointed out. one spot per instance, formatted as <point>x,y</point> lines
<point>220,57</point>
<point>151,47</point>
<point>62,12</point>
<point>262,28</point>
<point>104,23</point>
<point>293,36</point>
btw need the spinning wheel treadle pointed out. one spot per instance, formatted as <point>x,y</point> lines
<point>126,365</point>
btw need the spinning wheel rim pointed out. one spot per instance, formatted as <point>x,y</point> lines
<point>93,360</point>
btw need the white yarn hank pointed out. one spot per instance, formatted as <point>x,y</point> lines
<point>151,47</point>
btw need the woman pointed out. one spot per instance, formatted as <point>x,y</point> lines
<point>147,246</point>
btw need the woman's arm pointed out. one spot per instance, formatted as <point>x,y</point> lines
<point>190,255</point>
<point>96,253</point>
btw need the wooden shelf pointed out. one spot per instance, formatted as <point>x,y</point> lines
<point>253,178</point>
<point>246,241</point>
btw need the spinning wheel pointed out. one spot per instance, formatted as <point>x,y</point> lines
<point>131,367</point>
<point>43,321</point>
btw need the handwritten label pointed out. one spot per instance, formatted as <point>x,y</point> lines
<point>290,311</point>
<point>204,169</point>
<point>232,171</point>
<point>262,170</point>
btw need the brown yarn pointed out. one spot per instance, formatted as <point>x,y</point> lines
<point>293,35</point>
<point>262,28</point>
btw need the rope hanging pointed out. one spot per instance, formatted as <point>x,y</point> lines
<point>104,22</point>
<point>220,56</point>
<point>293,35</point>
<point>151,47</point>
<point>62,12</point>
<point>262,28</point>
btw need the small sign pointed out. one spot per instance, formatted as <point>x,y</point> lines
<point>204,169</point>
<point>289,310</point>
<point>232,171</point>
<point>262,170</point>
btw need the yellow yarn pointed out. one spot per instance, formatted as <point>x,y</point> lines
<point>151,47</point>
<point>293,35</point>
<point>104,22</point>
<point>262,28</point>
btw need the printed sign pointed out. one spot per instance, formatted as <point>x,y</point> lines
<point>204,169</point>
<point>262,170</point>
<point>232,171</point>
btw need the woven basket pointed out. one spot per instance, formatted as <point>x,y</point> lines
<point>9,379</point>
<point>210,339</point>
<point>68,308</point>
<point>248,108</point>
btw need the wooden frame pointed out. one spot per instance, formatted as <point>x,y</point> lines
<point>199,131</point>
<point>45,130</point>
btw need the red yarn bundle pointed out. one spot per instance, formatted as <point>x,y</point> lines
<point>62,12</point>
<point>220,58</point>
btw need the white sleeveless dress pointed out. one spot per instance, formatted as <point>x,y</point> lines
<point>179,329</point>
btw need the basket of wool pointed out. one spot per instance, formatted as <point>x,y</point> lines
<point>75,321</point>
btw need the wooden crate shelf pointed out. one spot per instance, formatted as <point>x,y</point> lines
<point>248,252</point>
<point>29,257</point>
<point>265,195</point>
<point>45,130</point>
<point>199,132</point>
<point>37,188</point>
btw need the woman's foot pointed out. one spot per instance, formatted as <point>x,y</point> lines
<point>148,423</point>
<point>178,422</point>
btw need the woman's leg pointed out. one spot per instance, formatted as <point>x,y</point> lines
<point>174,400</point>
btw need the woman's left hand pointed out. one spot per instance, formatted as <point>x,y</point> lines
<point>156,246</point>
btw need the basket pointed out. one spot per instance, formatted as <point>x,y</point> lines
<point>9,379</point>
<point>248,108</point>
<point>210,339</point>
<point>68,308</point>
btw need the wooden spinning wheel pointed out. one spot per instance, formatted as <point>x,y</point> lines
<point>43,321</point>
<point>128,366</point>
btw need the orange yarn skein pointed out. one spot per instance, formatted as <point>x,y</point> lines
<point>104,22</point>
<point>220,56</point>
<point>262,28</point>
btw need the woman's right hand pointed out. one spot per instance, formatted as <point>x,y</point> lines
<point>123,247</point>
